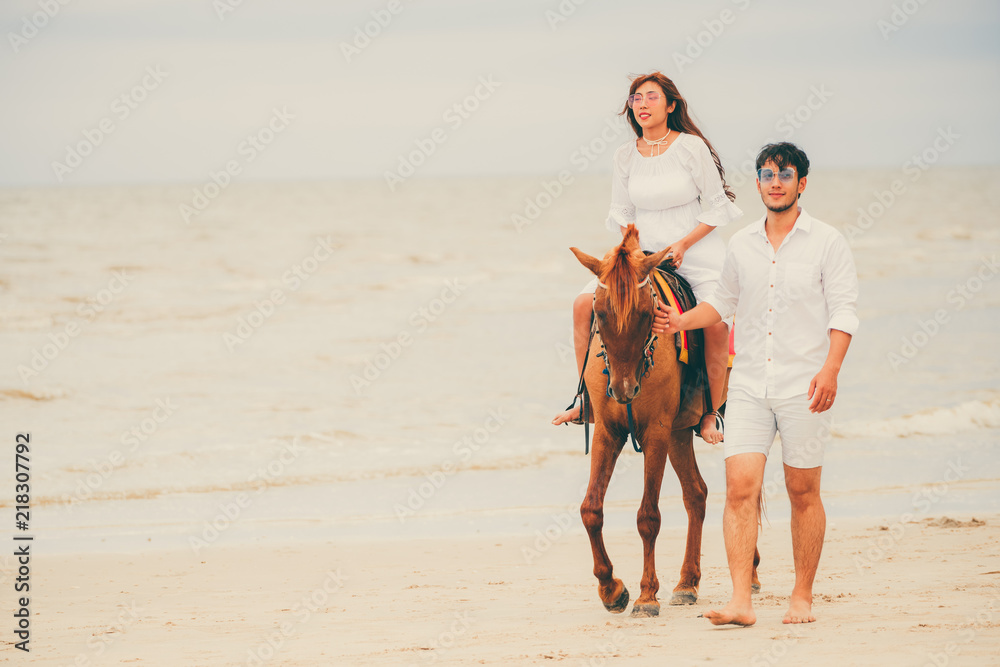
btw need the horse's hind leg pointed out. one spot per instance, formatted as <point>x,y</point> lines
<point>695,493</point>
<point>754,581</point>
<point>648,520</point>
<point>613,593</point>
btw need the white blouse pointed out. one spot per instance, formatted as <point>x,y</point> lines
<point>664,197</point>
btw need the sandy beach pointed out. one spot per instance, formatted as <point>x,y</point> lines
<point>313,429</point>
<point>286,312</point>
<point>918,593</point>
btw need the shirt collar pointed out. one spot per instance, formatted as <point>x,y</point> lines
<point>803,222</point>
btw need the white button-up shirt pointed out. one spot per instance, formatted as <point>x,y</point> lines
<point>785,304</point>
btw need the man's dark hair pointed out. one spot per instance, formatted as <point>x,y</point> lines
<point>784,155</point>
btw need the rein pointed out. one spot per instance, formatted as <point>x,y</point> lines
<point>579,388</point>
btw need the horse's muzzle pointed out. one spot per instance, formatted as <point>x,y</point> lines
<point>625,391</point>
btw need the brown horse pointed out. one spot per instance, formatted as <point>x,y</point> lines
<point>663,419</point>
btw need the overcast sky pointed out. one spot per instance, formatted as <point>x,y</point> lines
<point>883,84</point>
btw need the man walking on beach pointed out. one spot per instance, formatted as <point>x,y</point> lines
<point>791,282</point>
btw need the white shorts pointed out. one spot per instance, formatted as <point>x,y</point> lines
<point>752,422</point>
<point>702,290</point>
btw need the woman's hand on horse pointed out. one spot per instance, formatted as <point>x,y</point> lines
<point>676,253</point>
<point>666,320</point>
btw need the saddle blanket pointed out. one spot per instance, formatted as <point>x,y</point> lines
<point>667,288</point>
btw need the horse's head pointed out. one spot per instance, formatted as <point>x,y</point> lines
<point>624,310</point>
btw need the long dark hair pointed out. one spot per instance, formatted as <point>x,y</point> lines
<point>678,119</point>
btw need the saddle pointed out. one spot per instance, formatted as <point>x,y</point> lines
<point>695,392</point>
<point>676,291</point>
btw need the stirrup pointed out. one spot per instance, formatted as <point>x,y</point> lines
<point>720,424</point>
<point>579,419</point>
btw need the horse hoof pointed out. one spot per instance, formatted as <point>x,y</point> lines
<point>754,589</point>
<point>683,598</point>
<point>618,606</point>
<point>645,610</point>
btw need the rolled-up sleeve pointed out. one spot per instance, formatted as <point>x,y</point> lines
<point>726,295</point>
<point>840,286</point>
<point>622,211</point>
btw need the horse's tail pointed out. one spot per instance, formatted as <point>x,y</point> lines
<point>761,508</point>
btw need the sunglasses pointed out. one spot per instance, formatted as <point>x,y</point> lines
<point>652,98</point>
<point>767,175</point>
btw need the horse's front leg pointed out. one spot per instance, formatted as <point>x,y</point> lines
<point>695,493</point>
<point>603,456</point>
<point>648,520</point>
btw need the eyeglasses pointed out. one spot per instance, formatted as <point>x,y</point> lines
<point>767,175</point>
<point>652,98</point>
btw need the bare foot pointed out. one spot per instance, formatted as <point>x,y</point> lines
<point>567,416</point>
<point>709,433</point>
<point>799,611</point>
<point>733,614</point>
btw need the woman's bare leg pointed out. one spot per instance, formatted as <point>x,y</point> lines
<point>583,307</point>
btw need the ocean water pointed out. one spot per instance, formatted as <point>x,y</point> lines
<point>332,360</point>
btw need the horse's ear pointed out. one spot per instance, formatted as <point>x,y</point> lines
<point>591,263</point>
<point>650,262</point>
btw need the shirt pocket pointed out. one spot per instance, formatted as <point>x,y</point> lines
<point>802,279</point>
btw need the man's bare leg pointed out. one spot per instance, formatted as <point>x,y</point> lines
<point>716,361</point>
<point>583,306</point>
<point>744,477</point>
<point>808,530</point>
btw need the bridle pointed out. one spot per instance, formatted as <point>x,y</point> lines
<point>648,348</point>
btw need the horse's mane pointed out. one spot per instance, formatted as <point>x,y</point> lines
<point>621,271</point>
